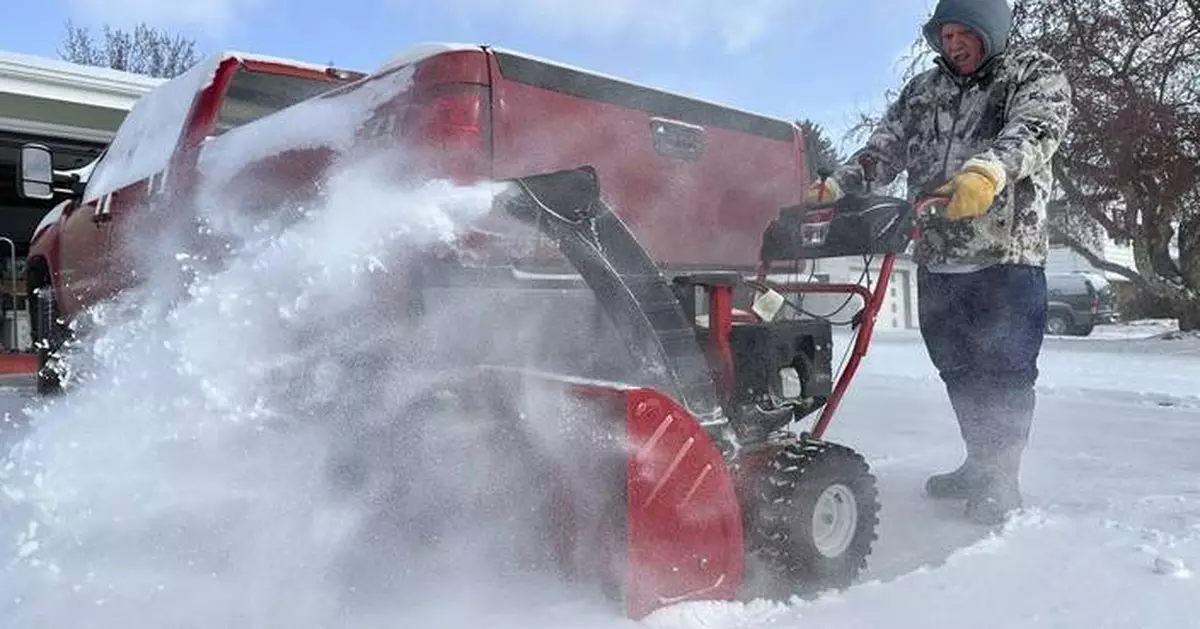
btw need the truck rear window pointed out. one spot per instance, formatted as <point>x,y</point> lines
<point>253,95</point>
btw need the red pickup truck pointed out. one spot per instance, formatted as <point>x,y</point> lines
<point>695,181</point>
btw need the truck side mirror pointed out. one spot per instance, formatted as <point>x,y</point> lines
<point>35,173</point>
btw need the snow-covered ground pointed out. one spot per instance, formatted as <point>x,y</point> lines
<point>1110,538</point>
<point>186,485</point>
<point>1111,534</point>
<point>1144,361</point>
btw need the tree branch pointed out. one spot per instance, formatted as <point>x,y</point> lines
<point>1189,247</point>
<point>1079,199</point>
<point>1098,262</point>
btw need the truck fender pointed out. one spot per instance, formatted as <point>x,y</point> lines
<point>42,266</point>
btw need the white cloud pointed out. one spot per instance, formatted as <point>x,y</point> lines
<point>729,24</point>
<point>205,15</point>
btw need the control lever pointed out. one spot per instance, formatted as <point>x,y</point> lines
<point>868,164</point>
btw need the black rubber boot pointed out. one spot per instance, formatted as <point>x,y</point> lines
<point>960,484</point>
<point>969,410</point>
<point>1002,443</point>
<point>999,492</point>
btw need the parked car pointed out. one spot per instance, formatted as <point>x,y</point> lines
<point>1078,302</point>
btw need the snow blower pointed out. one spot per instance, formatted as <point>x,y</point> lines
<point>690,480</point>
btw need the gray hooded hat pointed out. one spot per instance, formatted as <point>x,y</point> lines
<point>991,19</point>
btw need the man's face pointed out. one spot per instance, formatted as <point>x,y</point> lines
<point>963,47</point>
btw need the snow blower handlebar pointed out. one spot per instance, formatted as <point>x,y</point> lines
<point>854,225</point>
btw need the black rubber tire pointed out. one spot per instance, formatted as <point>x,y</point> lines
<point>1058,323</point>
<point>49,336</point>
<point>783,529</point>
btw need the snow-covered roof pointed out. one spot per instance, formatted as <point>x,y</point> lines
<point>51,79</point>
<point>96,88</point>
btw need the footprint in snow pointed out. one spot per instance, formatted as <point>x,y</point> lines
<point>1172,567</point>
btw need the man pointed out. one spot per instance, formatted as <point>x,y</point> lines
<point>980,128</point>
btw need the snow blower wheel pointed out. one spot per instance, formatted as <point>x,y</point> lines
<point>817,518</point>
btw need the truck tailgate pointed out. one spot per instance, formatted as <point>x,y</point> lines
<point>696,182</point>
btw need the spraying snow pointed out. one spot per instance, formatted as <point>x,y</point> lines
<point>194,474</point>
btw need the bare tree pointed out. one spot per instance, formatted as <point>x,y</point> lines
<point>1130,160</point>
<point>918,58</point>
<point>145,50</point>
<point>819,148</point>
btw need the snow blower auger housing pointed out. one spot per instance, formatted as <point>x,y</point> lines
<point>718,499</point>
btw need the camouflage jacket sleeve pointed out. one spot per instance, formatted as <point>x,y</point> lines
<point>1039,112</point>
<point>885,145</point>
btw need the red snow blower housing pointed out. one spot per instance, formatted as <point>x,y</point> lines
<point>708,495</point>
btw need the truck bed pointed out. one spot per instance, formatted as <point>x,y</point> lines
<point>696,181</point>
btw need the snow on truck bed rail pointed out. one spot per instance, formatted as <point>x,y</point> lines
<point>151,131</point>
<point>330,120</point>
<point>250,56</point>
<point>424,51</point>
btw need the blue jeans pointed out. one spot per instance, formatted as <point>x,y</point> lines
<point>983,332</point>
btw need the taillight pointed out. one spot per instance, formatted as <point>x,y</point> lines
<point>1095,304</point>
<point>815,227</point>
<point>454,132</point>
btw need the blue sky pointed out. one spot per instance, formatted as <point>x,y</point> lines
<point>822,59</point>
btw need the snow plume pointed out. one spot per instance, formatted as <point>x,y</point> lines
<point>262,442</point>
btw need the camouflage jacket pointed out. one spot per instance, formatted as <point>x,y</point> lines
<point>1010,116</point>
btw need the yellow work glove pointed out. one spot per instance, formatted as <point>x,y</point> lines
<point>824,191</point>
<point>972,191</point>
